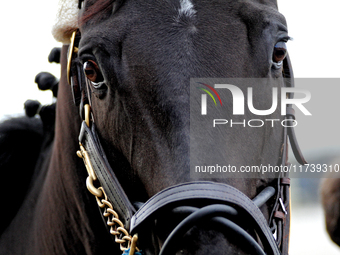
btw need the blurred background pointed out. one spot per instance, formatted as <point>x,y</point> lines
<point>26,41</point>
<point>314,27</point>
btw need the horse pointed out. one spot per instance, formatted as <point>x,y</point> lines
<point>330,197</point>
<point>129,67</point>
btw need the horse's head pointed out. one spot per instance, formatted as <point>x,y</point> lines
<point>139,56</point>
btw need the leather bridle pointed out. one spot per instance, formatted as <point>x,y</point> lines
<point>222,204</point>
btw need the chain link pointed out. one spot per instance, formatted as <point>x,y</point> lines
<point>117,229</point>
<point>122,236</point>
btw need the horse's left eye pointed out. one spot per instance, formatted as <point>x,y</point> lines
<point>280,52</point>
<point>93,73</point>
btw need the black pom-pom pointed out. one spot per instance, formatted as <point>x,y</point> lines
<point>54,55</point>
<point>47,115</point>
<point>55,90</point>
<point>45,80</point>
<point>32,107</point>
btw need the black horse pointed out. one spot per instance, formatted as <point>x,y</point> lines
<point>330,198</point>
<point>138,58</point>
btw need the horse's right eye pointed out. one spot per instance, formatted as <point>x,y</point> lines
<point>92,72</point>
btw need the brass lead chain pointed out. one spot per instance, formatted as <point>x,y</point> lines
<point>117,228</point>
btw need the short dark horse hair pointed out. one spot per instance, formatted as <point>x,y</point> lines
<point>138,58</point>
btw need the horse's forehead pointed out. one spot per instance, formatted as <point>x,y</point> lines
<point>146,31</point>
<point>154,21</point>
<point>149,11</point>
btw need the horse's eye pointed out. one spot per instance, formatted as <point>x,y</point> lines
<point>280,52</point>
<point>93,73</point>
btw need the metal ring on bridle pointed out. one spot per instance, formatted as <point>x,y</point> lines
<point>87,109</point>
<point>71,50</point>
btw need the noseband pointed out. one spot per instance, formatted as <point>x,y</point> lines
<point>220,204</point>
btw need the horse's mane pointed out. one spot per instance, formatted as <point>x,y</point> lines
<point>20,142</point>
